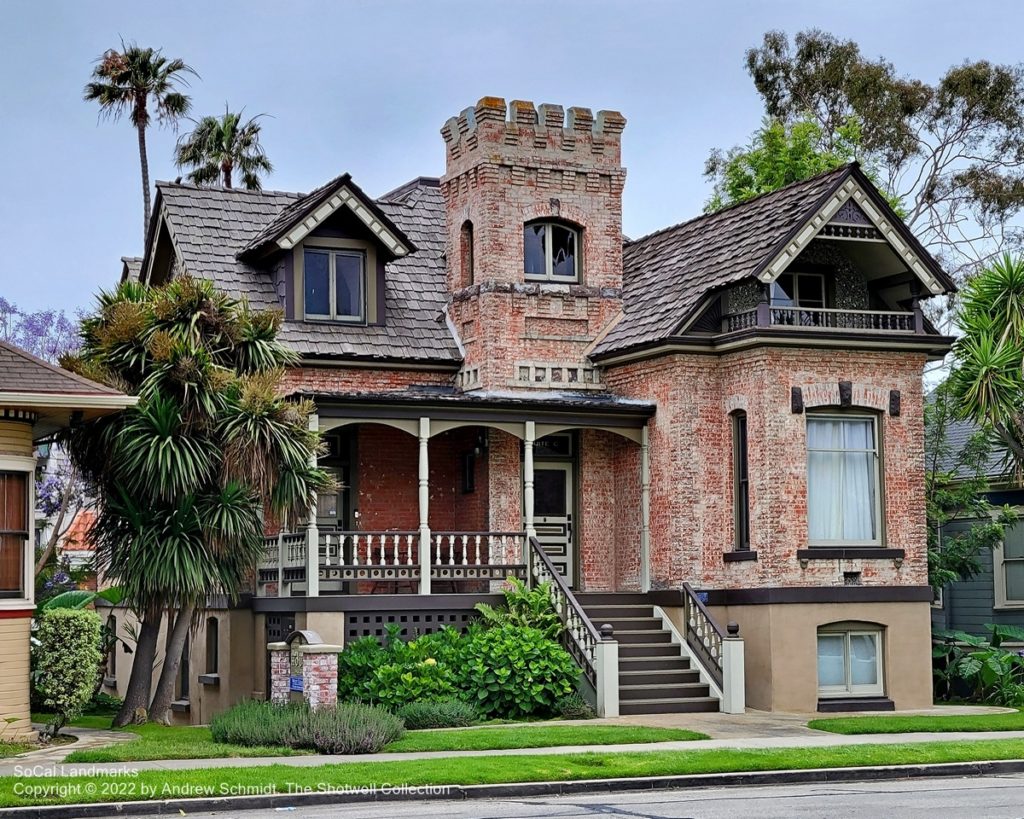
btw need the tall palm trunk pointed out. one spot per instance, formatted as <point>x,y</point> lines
<point>159,711</point>
<point>142,120</point>
<point>136,698</point>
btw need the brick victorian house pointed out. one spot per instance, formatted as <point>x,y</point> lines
<point>720,422</point>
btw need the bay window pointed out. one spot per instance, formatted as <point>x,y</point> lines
<point>843,480</point>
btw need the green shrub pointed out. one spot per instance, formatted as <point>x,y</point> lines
<point>356,665</point>
<point>396,684</point>
<point>348,728</point>
<point>574,706</point>
<point>445,646</point>
<point>524,608</point>
<point>512,671</point>
<point>980,667</point>
<point>450,713</point>
<point>67,655</point>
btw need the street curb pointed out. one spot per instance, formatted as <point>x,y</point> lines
<point>518,790</point>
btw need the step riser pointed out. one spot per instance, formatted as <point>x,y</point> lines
<point>654,692</point>
<point>602,614</point>
<point>633,637</point>
<point>633,624</point>
<point>654,677</point>
<point>680,707</point>
<point>595,599</point>
<point>649,650</point>
<point>655,664</point>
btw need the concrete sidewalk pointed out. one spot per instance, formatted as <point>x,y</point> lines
<point>754,730</point>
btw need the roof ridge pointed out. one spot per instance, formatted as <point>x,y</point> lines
<point>735,205</point>
<point>415,182</point>
<point>162,183</point>
<point>41,362</point>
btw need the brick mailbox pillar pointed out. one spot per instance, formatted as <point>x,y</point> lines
<point>280,672</point>
<point>320,674</point>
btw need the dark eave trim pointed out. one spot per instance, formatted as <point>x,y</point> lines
<point>411,407</point>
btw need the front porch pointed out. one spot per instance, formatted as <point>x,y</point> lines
<point>444,495</point>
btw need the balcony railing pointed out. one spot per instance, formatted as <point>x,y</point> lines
<point>364,559</point>
<point>824,318</point>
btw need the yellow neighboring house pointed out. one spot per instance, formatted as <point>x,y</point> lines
<point>37,399</point>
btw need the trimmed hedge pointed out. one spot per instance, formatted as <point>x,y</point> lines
<point>66,659</point>
<point>451,713</point>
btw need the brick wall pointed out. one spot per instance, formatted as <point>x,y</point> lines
<point>691,463</point>
<point>360,379</point>
<point>508,165</point>
<point>320,677</point>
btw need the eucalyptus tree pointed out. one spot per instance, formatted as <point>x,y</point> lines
<point>125,81</point>
<point>185,476</point>
<point>218,146</point>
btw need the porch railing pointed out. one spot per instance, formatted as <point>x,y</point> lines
<point>703,635</point>
<point>824,318</point>
<point>391,556</point>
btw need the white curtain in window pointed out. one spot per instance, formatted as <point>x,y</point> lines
<point>863,659</point>
<point>841,479</point>
<point>831,660</point>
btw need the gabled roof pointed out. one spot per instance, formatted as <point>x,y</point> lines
<point>667,274</point>
<point>131,267</point>
<point>301,216</point>
<point>210,227</point>
<point>23,373</point>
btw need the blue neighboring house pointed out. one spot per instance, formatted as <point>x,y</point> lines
<point>996,594</point>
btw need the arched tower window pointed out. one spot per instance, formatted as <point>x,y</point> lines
<point>551,252</point>
<point>466,253</point>
<point>212,645</point>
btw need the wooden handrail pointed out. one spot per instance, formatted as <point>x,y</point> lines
<point>703,633</point>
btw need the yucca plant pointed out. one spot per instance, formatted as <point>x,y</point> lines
<point>185,475</point>
<point>987,379</point>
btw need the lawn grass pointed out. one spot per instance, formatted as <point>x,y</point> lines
<point>929,723</point>
<point>163,784</point>
<point>8,749</point>
<point>536,736</point>
<point>185,742</point>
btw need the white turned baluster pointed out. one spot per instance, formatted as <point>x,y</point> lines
<point>465,550</point>
<point>397,540</point>
<point>439,539</point>
<point>408,550</point>
<point>355,547</point>
<point>478,563</point>
<point>451,550</point>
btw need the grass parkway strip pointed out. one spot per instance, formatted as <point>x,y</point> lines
<point>279,779</point>
<point>927,724</point>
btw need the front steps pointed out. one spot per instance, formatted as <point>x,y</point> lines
<point>655,675</point>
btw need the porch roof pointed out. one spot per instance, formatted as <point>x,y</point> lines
<point>446,403</point>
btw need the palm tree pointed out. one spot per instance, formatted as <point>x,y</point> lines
<point>124,82</point>
<point>987,379</point>
<point>218,146</point>
<point>185,475</point>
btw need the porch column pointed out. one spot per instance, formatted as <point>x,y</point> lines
<point>424,506</point>
<point>529,438</point>
<point>312,533</point>
<point>645,509</point>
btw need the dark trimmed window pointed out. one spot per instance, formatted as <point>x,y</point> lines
<point>14,532</point>
<point>799,290</point>
<point>212,645</point>
<point>466,252</point>
<point>741,480</point>
<point>551,252</point>
<point>334,284</point>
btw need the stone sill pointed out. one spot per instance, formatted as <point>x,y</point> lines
<point>209,679</point>
<point>739,555</point>
<point>849,553</point>
<point>110,682</point>
<point>180,706</point>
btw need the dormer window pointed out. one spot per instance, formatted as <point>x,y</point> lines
<point>334,284</point>
<point>551,252</point>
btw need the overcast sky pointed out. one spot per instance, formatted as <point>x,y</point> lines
<point>364,87</point>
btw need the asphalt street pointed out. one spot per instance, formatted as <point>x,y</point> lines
<point>995,797</point>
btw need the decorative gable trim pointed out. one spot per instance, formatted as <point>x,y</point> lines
<point>159,222</point>
<point>852,190</point>
<point>343,197</point>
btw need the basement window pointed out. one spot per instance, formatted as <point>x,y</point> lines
<point>849,661</point>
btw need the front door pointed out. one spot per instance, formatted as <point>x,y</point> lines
<point>552,514</point>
